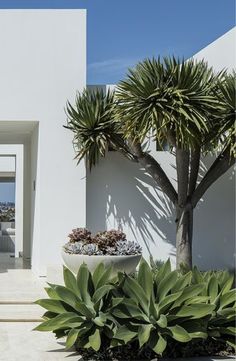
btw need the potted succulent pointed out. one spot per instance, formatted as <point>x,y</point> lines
<point>109,247</point>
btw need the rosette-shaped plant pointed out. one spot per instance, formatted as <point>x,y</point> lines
<point>80,234</point>
<point>157,307</point>
<point>80,310</point>
<point>109,238</point>
<point>221,325</point>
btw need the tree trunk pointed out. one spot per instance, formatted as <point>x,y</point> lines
<point>184,233</point>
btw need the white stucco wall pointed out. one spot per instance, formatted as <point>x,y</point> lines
<point>7,164</point>
<point>120,194</point>
<point>42,64</point>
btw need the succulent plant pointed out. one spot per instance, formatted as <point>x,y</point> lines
<point>109,238</point>
<point>80,234</point>
<point>111,242</point>
<point>150,308</point>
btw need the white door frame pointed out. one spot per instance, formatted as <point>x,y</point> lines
<point>17,150</point>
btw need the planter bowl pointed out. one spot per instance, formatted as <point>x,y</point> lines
<point>125,264</point>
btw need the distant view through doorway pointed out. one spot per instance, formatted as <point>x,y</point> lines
<point>7,204</point>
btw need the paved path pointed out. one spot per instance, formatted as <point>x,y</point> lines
<point>19,288</point>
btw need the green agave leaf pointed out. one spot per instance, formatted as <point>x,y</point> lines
<point>160,346</point>
<point>227,312</point>
<point>163,271</point>
<point>228,282</point>
<point>95,340</point>
<point>49,315</point>
<point>71,338</point>
<point>83,283</point>
<point>166,284</point>
<point>168,300</point>
<point>70,281</point>
<point>106,277</point>
<point>145,278</point>
<point>228,330</point>
<point>135,291</point>
<point>153,309</point>
<point>99,321</point>
<point>179,333</point>
<point>197,299</point>
<point>144,334</point>
<point>97,274</point>
<point>128,309</point>
<point>116,301</point>
<point>66,295</point>
<point>197,276</point>
<point>56,322</point>
<point>188,292</point>
<point>162,322</point>
<point>228,298</point>
<point>232,343</point>
<point>51,305</point>
<point>195,310</point>
<point>198,334</point>
<point>213,286</point>
<point>182,282</point>
<point>125,334</point>
<point>85,310</point>
<point>101,292</point>
<point>52,293</point>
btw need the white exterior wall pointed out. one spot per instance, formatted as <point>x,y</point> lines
<point>42,64</point>
<point>120,194</point>
<point>7,164</point>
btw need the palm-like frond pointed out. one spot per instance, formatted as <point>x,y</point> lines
<point>169,97</point>
<point>226,132</point>
<point>94,126</point>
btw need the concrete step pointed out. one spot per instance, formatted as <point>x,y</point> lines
<point>20,313</point>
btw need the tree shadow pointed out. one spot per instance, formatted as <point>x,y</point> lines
<point>121,195</point>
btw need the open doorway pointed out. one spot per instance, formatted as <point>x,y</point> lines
<point>19,148</point>
<point>11,206</point>
<point>7,205</point>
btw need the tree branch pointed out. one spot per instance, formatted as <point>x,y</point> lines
<point>194,169</point>
<point>155,170</point>
<point>220,166</point>
<point>182,166</point>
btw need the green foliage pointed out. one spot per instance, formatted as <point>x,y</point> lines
<point>80,310</point>
<point>175,102</point>
<point>92,120</point>
<point>151,308</point>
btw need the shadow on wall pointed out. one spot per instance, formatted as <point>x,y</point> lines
<point>121,195</point>
<point>214,224</point>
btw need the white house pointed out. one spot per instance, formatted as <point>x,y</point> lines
<point>40,68</point>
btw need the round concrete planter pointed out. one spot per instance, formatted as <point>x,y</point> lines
<point>126,264</point>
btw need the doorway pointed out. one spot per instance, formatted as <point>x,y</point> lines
<point>18,166</point>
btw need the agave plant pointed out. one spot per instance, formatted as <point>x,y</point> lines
<point>80,309</point>
<point>221,325</point>
<point>159,306</point>
<point>150,308</point>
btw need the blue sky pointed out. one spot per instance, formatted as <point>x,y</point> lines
<point>7,192</point>
<point>122,32</point>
